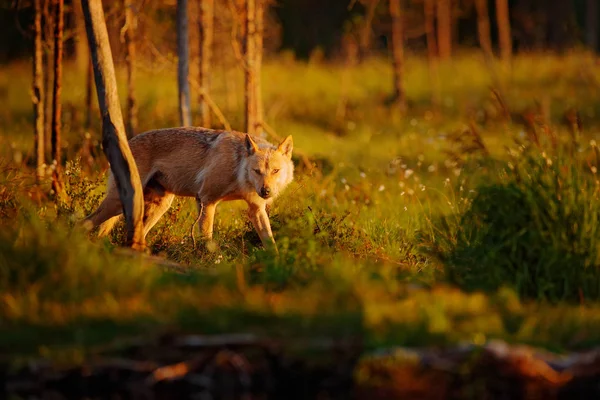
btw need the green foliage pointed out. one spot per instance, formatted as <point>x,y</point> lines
<point>534,225</point>
<point>54,263</point>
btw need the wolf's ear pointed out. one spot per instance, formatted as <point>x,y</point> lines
<point>286,147</point>
<point>251,146</point>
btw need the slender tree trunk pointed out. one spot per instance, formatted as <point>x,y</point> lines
<point>87,151</point>
<point>56,97</point>
<point>367,29</point>
<point>483,27</point>
<point>38,90</point>
<point>48,69</point>
<point>206,25</point>
<point>432,51</point>
<point>591,24</point>
<point>504,34</point>
<point>183,65</point>
<point>250,62</point>
<point>130,28</point>
<point>260,15</point>
<point>81,48</point>
<point>398,52</point>
<point>89,82</point>
<point>444,25</point>
<point>114,139</point>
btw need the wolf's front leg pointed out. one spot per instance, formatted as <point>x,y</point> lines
<point>260,220</point>
<point>207,218</point>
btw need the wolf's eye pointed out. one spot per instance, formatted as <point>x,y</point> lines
<point>257,171</point>
<point>275,171</point>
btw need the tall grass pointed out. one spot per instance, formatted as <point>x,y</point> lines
<point>532,225</point>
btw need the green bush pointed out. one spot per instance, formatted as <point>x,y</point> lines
<point>535,227</point>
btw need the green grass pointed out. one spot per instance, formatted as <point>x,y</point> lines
<point>363,251</point>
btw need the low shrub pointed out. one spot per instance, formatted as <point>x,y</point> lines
<point>533,226</point>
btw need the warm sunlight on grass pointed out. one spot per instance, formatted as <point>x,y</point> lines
<point>372,237</point>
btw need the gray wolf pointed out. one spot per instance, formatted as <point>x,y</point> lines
<point>210,165</point>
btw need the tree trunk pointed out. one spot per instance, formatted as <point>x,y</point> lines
<point>56,100</point>
<point>206,41</point>
<point>89,78</point>
<point>183,65</point>
<point>504,34</point>
<point>250,62</point>
<point>367,29</point>
<point>114,139</point>
<point>130,27</point>
<point>81,49</point>
<point>483,27</point>
<point>444,22</point>
<point>591,24</point>
<point>398,52</point>
<point>48,69</point>
<point>260,15</point>
<point>38,89</point>
<point>432,51</point>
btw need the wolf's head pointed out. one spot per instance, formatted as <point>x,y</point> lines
<point>269,170</point>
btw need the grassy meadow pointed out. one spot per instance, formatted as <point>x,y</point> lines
<point>472,220</point>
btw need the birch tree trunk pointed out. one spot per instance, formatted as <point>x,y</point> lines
<point>206,27</point>
<point>398,52</point>
<point>249,70</point>
<point>483,27</point>
<point>183,64</point>
<point>444,25</point>
<point>114,139</point>
<point>38,90</point>
<point>504,34</point>
<point>56,98</point>
<point>129,28</point>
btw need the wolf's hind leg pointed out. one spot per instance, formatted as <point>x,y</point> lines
<point>105,216</point>
<point>155,209</point>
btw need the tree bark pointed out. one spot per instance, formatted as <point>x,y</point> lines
<point>367,29</point>
<point>38,90</point>
<point>591,24</point>
<point>89,78</point>
<point>259,34</point>
<point>81,49</point>
<point>114,139</point>
<point>432,51</point>
<point>206,41</point>
<point>504,33</point>
<point>444,22</point>
<point>249,71</point>
<point>129,28</point>
<point>48,69</point>
<point>398,52</point>
<point>483,27</point>
<point>183,64</point>
<point>56,97</point>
